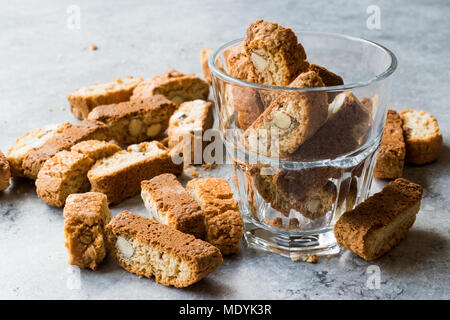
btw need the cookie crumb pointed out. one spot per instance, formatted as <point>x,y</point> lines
<point>295,258</point>
<point>50,109</point>
<point>293,223</point>
<point>93,47</point>
<point>209,166</point>
<point>193,172</point>
<point>62,109</point>
<point>310,259</point>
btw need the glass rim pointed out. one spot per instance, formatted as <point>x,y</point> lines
<point>381,76</point>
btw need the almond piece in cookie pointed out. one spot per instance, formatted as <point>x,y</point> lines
<point>69,136</point>
<point>135,121</point>
<point>204,57</point>
<point>224,225</point>
<point>86,215</point>
<point>5,173</point>
<point>83,100</point>
<point>119,176</point>
<point>344,131</point>
<point>175,86</point>
<point>151,249</point>
<point>378,224</point>
<point>168,202</point>
<point>423,137</point>
<point>391,156</point>
<point>275,54</point>
<point>187,126</point>
<point>61,175</point>
<point>30,141</point>
<point>290,120</point>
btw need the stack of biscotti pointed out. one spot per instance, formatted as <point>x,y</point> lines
<point>378,224</point>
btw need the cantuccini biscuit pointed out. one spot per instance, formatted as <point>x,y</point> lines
<point>61,175</point>
<point>423,137</point>
<point>86,215</point>
<point>119,176</point>
<point>96,149</point>
<point>378,224</point>
<point>135,121</point>
<point>344,131</point>
<point>30,141</point>
<point>5,173</point>
<point>204,57</point>
<point>169,203</point>
<point>187,126</point>
<point>150,249</point>
<point>84,99</point>
<point>175,86</point>
<point>391,156</point>
<point>71,135</point>
<point>290,120</point>
<point>275,54</point>
<point>224,225</point>
<point>329,78</point>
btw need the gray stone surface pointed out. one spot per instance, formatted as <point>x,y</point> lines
<point>42,60</point>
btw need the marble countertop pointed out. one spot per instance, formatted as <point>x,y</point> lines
<point>44,56</point>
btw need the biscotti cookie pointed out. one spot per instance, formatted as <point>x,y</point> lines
<point>61,175</point>
<point>344,131</point>
<point>290,120</point>
<point>30,141</point>
<point>423,137</point>
<point>71,135</point>
<point>187,126</point>
<point>175,86</point>
<point>330,79</point>
<point>391,156</point>
<point>5,173</point>
<point>204,57</point>
<point>86,215</point>
<point>84,99</point>
<point>135,121</point>
<point>96,149</point>
<point>168,202</point>
<point>378,224</point>
<point>224,225</point>
<point>119,176</point>
<point>150,249</point>
<point>275,54</point>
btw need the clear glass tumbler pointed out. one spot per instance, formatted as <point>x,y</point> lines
<point>290,198</point>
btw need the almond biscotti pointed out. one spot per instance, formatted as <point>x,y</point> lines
<point>135,121</point>
<point>423,137</point>
<point>86,215</point>
<point>96,149</point>
<point>69,136</point>
<point>391,156</point>
<point>187,126</point>
<point>224,225</point>
<point>378,224</point>
<point>168,202</point>
<point>119,176</point>
<point>84,99</point>
<point>5,172</point>
<point>61,175</point>
<point>150,249</point>
<point>344,131</point>
<point>204,57</point>
<point>30,141</point>
<point>175,86</point>
<point>275,54</point>
<point>290,120</point>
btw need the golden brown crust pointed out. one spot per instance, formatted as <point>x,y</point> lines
<point>142,162</point>
<point>198,256</point>
<point>169,203</point>
<point>423,137</point>
<point>86,215</point>
<point>136,121</point>
<point>224,225</point>
<point>61,175</point>
<point>378,224</point>
<point>83,100</point>
<point>96,149</point>
<point>391,156</point>
<point>329,78</point>
<point>175,86</point>
<point>5,173</point>
<point>71,135</point>
<point>204,57</point>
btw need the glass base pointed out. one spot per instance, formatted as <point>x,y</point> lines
<point>292,245</point>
